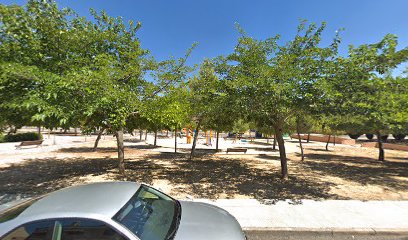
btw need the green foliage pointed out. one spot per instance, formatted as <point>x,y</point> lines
<point>18,137</point>
<point>363,96</point>
<point>272,81</point>
<point>58,69</point>
<point>240,126</point>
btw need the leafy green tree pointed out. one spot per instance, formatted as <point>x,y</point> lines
<point>363,95</point>
<point>210,101</point>
<point>17,82</point>
<point>34,45</point>
<point>272,79</point>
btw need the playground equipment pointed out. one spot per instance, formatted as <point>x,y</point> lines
<point>208,138</point>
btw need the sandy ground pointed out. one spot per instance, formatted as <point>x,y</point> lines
<point>344,172</point>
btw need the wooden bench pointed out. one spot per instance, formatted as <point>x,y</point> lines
<point>244,150</point>
<point>29,143</point>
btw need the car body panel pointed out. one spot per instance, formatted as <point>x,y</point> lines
<point>98,198</point>
<point>101,201</point>
<point>202,221</point>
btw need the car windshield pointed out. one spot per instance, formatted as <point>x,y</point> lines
<point>150,215</point>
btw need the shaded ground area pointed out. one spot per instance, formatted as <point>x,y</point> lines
<point>342,173</point>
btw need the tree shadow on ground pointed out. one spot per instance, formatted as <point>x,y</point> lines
<point>87,150</point>
<point>323,149</point>
<point>38,176</point>
<point>268,157</point>
<point>363,170</point>
<point>202,151</point>
<point>262,149</point>
<point>134,140</point>
<point>202,177</point>
<point>142,147</point>
<point>209,176</point>
<point>206,178</point>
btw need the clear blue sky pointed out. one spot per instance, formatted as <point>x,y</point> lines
<point>170,27</point>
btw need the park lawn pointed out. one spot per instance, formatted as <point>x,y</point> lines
<point>341,173</point>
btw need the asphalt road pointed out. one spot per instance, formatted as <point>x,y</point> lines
<point>315,235</point>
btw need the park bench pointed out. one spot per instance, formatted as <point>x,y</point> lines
<point>244,150</point>
<point>29,143</point>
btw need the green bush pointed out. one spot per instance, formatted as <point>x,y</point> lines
<point>30,136</point>
<point>1,138</point>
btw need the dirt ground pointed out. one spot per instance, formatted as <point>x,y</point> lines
<point>341,173</point>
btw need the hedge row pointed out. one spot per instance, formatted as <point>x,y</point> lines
<point>30,136</point>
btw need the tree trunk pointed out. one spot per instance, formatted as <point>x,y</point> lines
<point>39,130</point>
<point>267,139</point>
<point>175,139</point>
<point>140,134</point>
<point>282,152</point>
<point>274,142</point>
<point>146,135</point>
<point>380,148</point>
<point>327,144</point>
<point>167,133</point>
<point>334,140</point>
<point>97,139</point>
<point>308,137</point>
<point>216,144</point>
<point>194,141</point>
<point>155,138</point>
<point>121,152</point>
<point>300,142</point>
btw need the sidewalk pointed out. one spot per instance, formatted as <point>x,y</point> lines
<point>310,215</point>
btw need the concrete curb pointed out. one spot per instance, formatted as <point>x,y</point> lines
<point>332,230</point>
<point>323,234</point>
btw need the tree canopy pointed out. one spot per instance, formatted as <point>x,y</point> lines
<point>59,69</point>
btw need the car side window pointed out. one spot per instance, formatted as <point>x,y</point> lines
<point>87,229</point>
<point>41,230</point>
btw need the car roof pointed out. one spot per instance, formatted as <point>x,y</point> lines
<point>105,198</point>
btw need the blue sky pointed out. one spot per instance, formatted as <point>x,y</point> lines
<point>170,27</point>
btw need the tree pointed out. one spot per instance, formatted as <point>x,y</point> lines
<point>211,99</point>
<point>95,68</point>
<point>363,95</point>
<point>272,79</point>
<point>17,83</point>
<point>36,41</point>
<point>204,91</point>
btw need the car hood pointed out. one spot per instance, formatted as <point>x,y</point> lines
<point>202,221</point>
